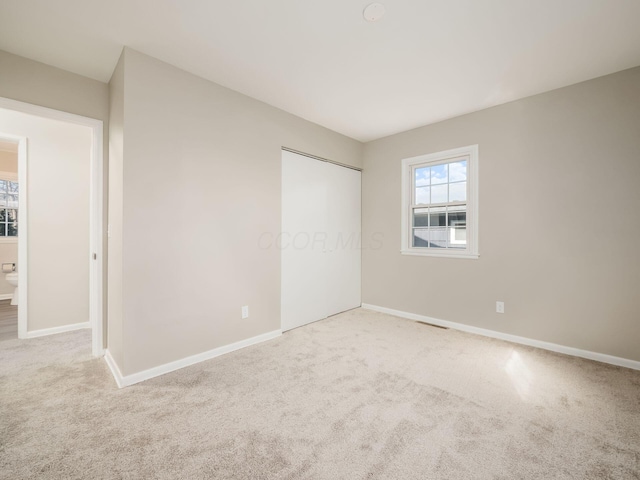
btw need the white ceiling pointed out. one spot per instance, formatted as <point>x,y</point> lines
<point>425,61</point>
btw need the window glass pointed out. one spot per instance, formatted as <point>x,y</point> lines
<point>420,237</point>
<point>458,171</point>
<point>423,176</point>
<point>457,215</point>
<point>458,192</point>
<point>439,193</point>
<point>439,174</point>
<point>437,237</point>
<point>421,217</point>
<point>423,195</point>
<point>8,208</point>
<point>437,217</point>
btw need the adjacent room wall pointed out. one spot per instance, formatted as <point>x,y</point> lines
<point>559,222</point>
<point>33,82</point>
<point>8,162</point>
<point>58,204</point>
<point>201,184</point>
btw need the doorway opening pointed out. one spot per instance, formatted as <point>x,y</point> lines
<point>28,256</point>
<point>9,208</point>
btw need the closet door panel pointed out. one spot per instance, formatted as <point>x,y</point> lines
<point>304,221</point>
<point>343,249</point>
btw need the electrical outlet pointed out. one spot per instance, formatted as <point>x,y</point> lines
<point>245,312</point>
<point>499,307</point>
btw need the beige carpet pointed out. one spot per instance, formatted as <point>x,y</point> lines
<point>358,396</point>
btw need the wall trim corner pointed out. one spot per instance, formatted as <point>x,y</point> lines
<point>128,380</point>
<point>54,330</point>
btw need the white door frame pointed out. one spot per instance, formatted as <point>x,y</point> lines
<point>96,217</point>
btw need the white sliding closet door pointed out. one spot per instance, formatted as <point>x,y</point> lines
<point>343,257</point>
<point>304,198</point>
<point>320,241</point>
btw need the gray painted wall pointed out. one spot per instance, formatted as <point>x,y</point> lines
<point>116,147</point>
<point>559,222</point>
<point>201,184</point>
<point>34,82</point>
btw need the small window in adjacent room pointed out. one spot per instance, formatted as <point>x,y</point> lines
<point>440,204</point>
<point>8,208</point>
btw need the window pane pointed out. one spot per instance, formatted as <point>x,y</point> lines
<point>3,200</point>
<point>458,171</point>
<point>3,186</point>
<point>13,229</point>
<point>12,215</point>
<point>3,215</point>
<point>12,201</point>
<point>3,229</point>
<point>420,237</point>
<point>422,195</point>
<point>438,237</point>
<point>458,216</point>
<point>13,187</point>
<point>437,217</point>
<point>458,192</point>
<point>439,193</point>
<point>421,217</point>
<point>458,237</point>
<point>439,174</point>
<point>422,176</point>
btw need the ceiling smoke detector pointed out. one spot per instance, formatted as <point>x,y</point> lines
<point>373,12</point>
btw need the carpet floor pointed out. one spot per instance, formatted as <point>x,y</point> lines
<point>361,395</point>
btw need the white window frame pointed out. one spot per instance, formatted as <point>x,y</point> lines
<point>408,164</point>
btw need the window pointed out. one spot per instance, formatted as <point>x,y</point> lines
<point>8,208</point>
<point>440,204</point>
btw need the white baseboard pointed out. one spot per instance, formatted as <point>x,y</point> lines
<point>576,352</point>
<point>54,330</point>
<point>113,366</point>
<point>127,380</point>
<point>6,296</point>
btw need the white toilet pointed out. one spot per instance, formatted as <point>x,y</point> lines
<point>12,278</point>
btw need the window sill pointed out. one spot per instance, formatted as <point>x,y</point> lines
<point>471,256</point>
<point>8,239</point>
